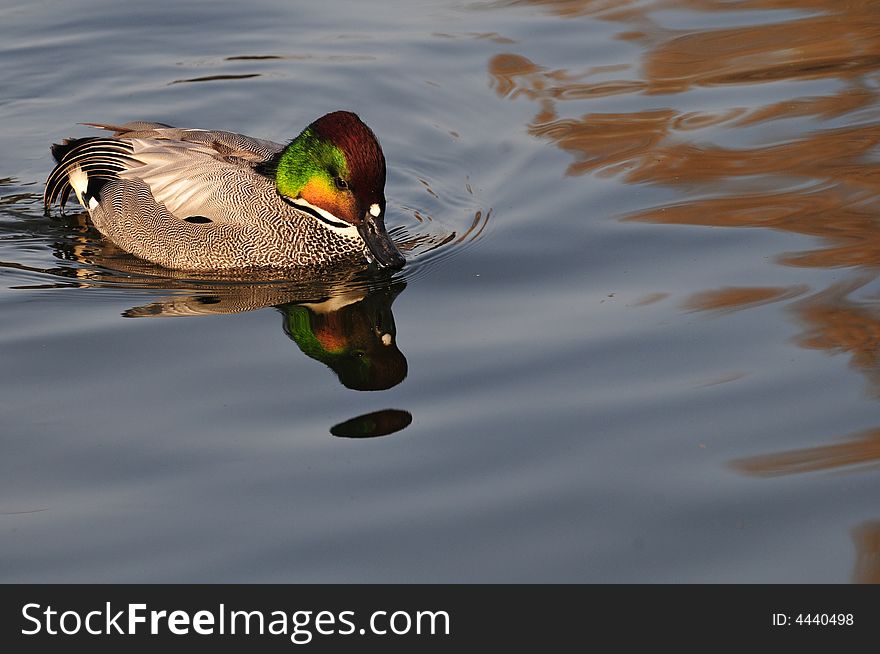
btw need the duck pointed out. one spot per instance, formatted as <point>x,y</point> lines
<point>208,200</point>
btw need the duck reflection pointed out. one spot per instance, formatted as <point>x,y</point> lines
<point>338,316</point>
<point>348,327</point>
<point>349,330</point>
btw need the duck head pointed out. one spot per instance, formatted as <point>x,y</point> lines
<point>335,171</point>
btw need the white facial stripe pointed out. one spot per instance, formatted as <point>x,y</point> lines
<point>375,210</point>
<point>337,302</point>
<point>330,220</point>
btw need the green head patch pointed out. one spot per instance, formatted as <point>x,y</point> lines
<point>310,159</point>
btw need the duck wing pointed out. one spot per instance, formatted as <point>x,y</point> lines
<point>195,179</point>
<point>226,144</point>
<point>194,173</point>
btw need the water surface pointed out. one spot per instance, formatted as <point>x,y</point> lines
<point>637,338</point>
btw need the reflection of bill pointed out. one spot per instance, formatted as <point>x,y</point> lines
<point>370,425</point>
<point>352,334</point>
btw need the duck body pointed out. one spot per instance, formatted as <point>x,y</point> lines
<point>192,199</point>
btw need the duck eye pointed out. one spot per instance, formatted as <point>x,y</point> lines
<point>341,184</point>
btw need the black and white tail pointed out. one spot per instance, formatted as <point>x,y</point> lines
<point>84,166</point>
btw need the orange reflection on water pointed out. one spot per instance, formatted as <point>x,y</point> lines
<point>817,174</point>
<point>860,450</point>
<point>847,222</point>
<point>842,42</point>
<point>866,538</point>
<point>650,146</point>
<point>796,153</point>
<point>833,320</point>
<point>820,180</point>
<point>732,299</point>
<point>837,323</point>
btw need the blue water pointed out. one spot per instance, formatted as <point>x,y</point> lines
<point>635,341</point>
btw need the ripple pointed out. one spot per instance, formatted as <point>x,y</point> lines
<point>214,78</point>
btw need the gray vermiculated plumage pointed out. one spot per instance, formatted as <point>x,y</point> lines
<point>152,177</point>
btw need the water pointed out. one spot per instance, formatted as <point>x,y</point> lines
<point>637,339</point>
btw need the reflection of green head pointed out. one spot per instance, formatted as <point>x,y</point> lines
<point>299,328</point>
<point>348,342</point>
